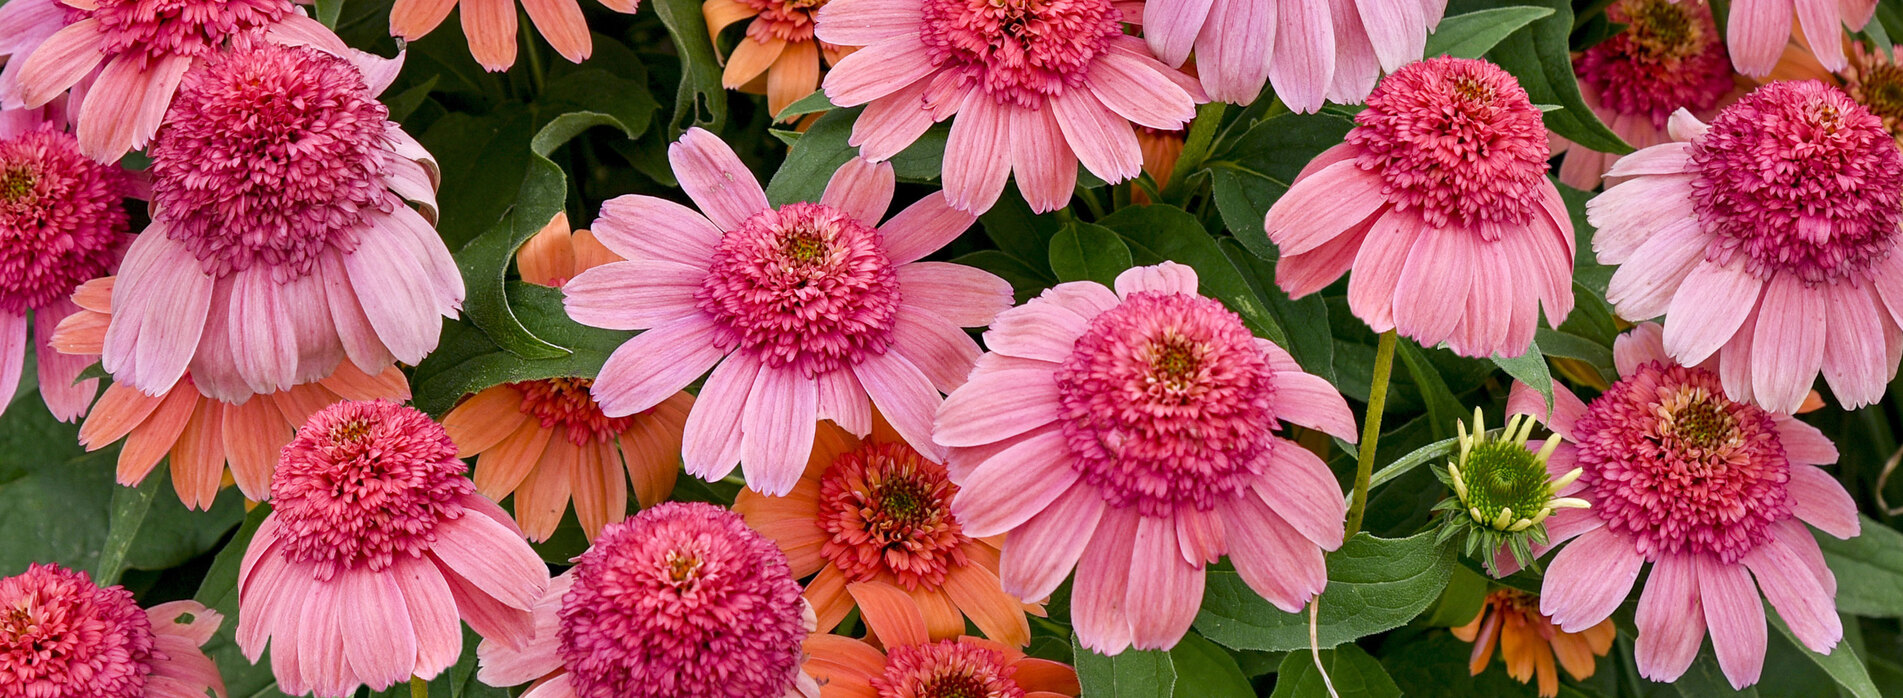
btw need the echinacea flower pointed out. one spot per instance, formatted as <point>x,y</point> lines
<point>1503,490</point>
<point>1440,204</point>
<point>680,600</point>
<point>911,661</point>
<point>1779,278</point>
<point>812,311</point>
<point>1876,81</point>
<point>280,242</point>
<point>1131,434</point>
<point>375,545</point>
<point>1036,86</point>
<point>1668,58</point>
<point>1712,492</point>
<point>62,636</point>
<point>546,441</point>
<point>490,25</point>
<point>1529,641</point>
<point>62,221</point>
<point>779,45</point>
<point>874,512</point>
<point>1308,49</point>
<point>201,434</point>
<point>1758,29</point>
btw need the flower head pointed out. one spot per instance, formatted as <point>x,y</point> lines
<point>1529,641</point>
<point>61,636</point>
<point>1131,434</point>
<point>1459,238</point>
<point>1308,50</point>
<point>1734,259</point>
<point>947,669</point>
<point>915,663</point>
<point>778,49</point>
<point>1502,490</point>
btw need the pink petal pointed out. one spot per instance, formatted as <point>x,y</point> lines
<point>1643,286</point>
<point>965,296</point>
<point>321,645</point>
<point>1804,443</point>
<point>1709,306</point>
<point>1629,214</point>
<point>492,558</point>
<point>159,309</point>
<point>1014,485</point>
<point>905,396</point>
<point>1856,361</point>
<point>1396,28</point>
<point>867,22</point>
<point>1662,159</point>
<point>644,227</point>
<point>1128,86</point>
<point>382,646</point>
<point>1671,620</point>
<point>1046,167</point>
<point>1282,565</point>
<point>504,666</point>
<point>879,69</point>
<point>892,122</point>
<point>353,327</point>
<point>843,401</point>
<point>65,58</point>
<point>1736,618</point>
<point>1819,500</point>
<point>1302,274</point>
<point>1567,407</point>
<point>126,104</point>
<point>485,614</point>
<point>710,446</point>
<point>1164,589</point>
<point>656,364</point>
<point>1041,329</point>
<point>12,354</point>
<point>397,294</point>
<point>978,154</point>
<point>1641,345</point>
<point>633,295</point>
<point>862,189</point>
<point>1040,552</point>
<point>1099,612</point>
<point>1757,33</point>
<point>997,405</point>
<point>713,176</point>
<point>1822,23</point>
<point>1303,64</point>
<point>1301,490</point>
<point>1790,342</point>
<point>1171,27</point>
<point>264,346</point>
<point>1168,277</point>
<point>1105,143</point>
<point>1234,47</point>
<point>922,228</point>
<point>776,429</point>
<point>1310,401</point>
<point>1796,593</point>
<point>1589,578</point>
<point>1431,295</point>
<point>1356,66</point>
<point>1378,266</point>
<point>937,347</point>
<point>431,605</point>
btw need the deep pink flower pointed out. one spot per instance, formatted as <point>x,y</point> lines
<point>62,222</point>
<point>1712,492</point>
<point>680,600</point>
<point>1759,29</point>
<point>64,637</point>
<point>1037,85</point>
<point>280,243</point>
<point>1440,203</point>
<point>377,543</point>
<point>1309,49</point>
<point>814,307</point>
<point>1767,239</point>
<point>1130,434</point>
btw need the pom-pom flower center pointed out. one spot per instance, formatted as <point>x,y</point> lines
<point>886,508</point>
<point>1020,51</point>
<point>62,217</point>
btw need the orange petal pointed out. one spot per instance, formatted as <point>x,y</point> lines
<point>1599,637</point>
<point>793,76</point>
<point>1518,647</point>
<point>827,594</point>
<point>411,19</point>
<point>981,597</point>
<point>254,435</point>
<point>198,459</point>
<point>1484,643</point>
<point>721,14</point>
<point>590,253</point>
<point>549,257</point>
<point>882,431</point>
<point>652,449</point>
<point>351,383</point>
<point>301,401</point>
<point>829,443</point>
<point>543,495</point>
<point>844,667</point>
<point>484,420</point>
<point>1573,653</point>
<point>118,412</point>
<point>1045,675</point>
<point>95,295</point>
<point>751,58</point>
<point>942,619</point>
<point>1548,676</point>
<point>502,469</point>
<point>149,441</point>
<point>600,488</point>
<point>561,23</point>
<point>82,333</point>
<point>892,614</point>
<point>490,28</point>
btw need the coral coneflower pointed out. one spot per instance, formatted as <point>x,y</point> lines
<point>490,25</point>
<point>1758,30</point>
<point>1779,278</point>
<point>200,434</point>
<point>1458,237</point>
<point>1309,50</point>
<point>1131,434</point>
<point>280,243</point>
<point>546,441</point>
<point>375,545</point>
<point>680,600</point>
<point>1036,86</point>
<point>1668,58</point>
<point>62,222</point>
<point>1712,492</point>
<point>918,663</point>
<point>1876,81</point>
<point>61,636</point>
<point>1529,641</point>
<point>876,513</point>
<point>779,45</point>
<point>812,311</point>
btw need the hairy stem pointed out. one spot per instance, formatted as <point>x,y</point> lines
<point>1371,430</point>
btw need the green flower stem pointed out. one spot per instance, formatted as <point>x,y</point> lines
<point>418,687</point>
<point>1371,430</point>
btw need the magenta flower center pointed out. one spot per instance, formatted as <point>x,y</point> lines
<point>1458,141</point>
<point>1798,178</point>
<point>63,637</point>
<point>946,669</point>
<point>1166,403</point>
<point>270,156</point>
<point>156,28</point>
<point>682,600</point>
<point>805,286</point>
<point>1019,51</point>
<point>1668,58</point>
<point>787,20</point>
<point>62,218</point>
<point>888,509</point>
<point>364,482</point>
<point>565,403</point>
<point>1672,462</point>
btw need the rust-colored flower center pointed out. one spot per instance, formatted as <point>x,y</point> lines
<point>888,510</point>
<point>564,403</point>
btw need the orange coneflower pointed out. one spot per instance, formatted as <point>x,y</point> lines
<point>914,660</point>
<point>547,440</point>
<point>1529,641</point>
<point>779,46</point>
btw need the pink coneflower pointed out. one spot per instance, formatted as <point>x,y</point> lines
<point>490,25</point>
<point>1668,58</point>
<point>1123,433</point>
<point>280,241</point>
<point>1779,277</point>
<point>375,546</point>
<point>818,311</point>
<point>1038,86</point>
<point>62,221</point>
<point>1309,50</point>
<point>1440,203</point>
<point>1759,29</point>
<point>680,600</point>
<point>914,662</point>
<point>61,636</point>
<point>1712,492</point>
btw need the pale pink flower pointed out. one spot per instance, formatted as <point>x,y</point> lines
<point>680,600</point>
<point>1758,30</point>
<point>1309,49</point>
<point>65,637</point>
<point>1037,86</point>
<point>1767,239</point>
<point>376,544</point>
<point>812,311</point>
<point>1440,203</point>
<point>24,25</point>
<point>1713,493</point>
<point>281,242</point>
<point>1131,434</point>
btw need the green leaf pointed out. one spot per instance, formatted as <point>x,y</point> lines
<point>1204,670</point>
<point>1020,233</point>
<point>1158,233</point>
<point>823,149</point>
<point>1466,593</point>
<point>1705,679</point>
<point>701,100</point>
<point>1026,281</point>
<point>1434,663</point>
<point>1130,674</point>
<point>1473,34</point>
<point>219,592</point>
<point>1351,671</point>
<point>468,360</point>
<point>1374,584</point>
<point>1252,172</point>
<point>1443,409</point>
<point>482,161</point>
<point>1088,252</point>
<point>1869,570</point>
<point>1529,368</point>
<point>1842,664</point>
<point>1540,57</point>
<point>328,10</point>
<point>1304,322</point>
<point>129,507</point>
<point>815,102</point>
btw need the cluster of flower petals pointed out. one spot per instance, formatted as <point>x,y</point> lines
<point>1309,51</point>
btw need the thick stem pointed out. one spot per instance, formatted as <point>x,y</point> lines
<point>418,687</point>
<point>1371,430</point>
